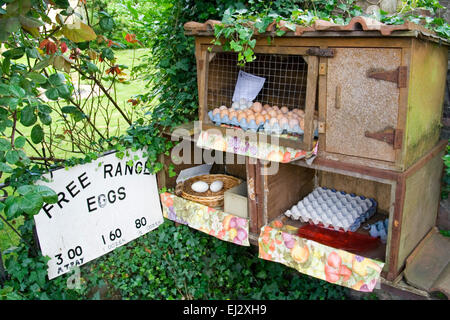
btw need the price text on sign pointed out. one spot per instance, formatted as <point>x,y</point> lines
<point>101,205</point>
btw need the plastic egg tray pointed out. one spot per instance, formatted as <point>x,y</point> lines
<point>333,209</point>
<point>243,123</point>
<point>252,126</point>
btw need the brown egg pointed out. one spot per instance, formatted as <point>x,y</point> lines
<point>232,114</point>
<point>260,119</point>
<point>241,116</point>
<point>284,109</point>
<point>250,117</point>
<point>272,113</point>
<point>223,113</point>
<point>263,112</point>
<point>275,108</point>
<point>257,107</point>
<point>301,112</point>
<point>223,108</point>
<point>266,106</point>
<point>248,112</point>
<point>216,111</point>
<point>279,116</point>
<point>302,124</point>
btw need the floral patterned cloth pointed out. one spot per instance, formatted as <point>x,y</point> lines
<point>214,139</point>
<point>212,221</point>
<point>280,244</point>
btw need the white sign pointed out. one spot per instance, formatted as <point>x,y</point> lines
<point>248,86</point>
<point>101,205</point>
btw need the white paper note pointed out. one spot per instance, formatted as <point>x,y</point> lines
<point>248,86</point>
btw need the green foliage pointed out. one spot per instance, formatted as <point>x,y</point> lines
<point>175,262</point>
<point>446,177</point>
<point>236,32</point>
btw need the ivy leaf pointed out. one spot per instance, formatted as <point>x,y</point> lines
<point>37,134</point>
<point>28,116</point>
<point>235,46</point>
<point>78,32</point>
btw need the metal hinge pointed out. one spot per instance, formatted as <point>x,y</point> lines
<point>398,76</point>
<point>389,135</point>
<point>320,52</point>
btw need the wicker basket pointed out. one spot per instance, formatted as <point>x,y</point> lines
<point>208,198</point>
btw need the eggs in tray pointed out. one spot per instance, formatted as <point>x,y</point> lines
<point>258,117</point>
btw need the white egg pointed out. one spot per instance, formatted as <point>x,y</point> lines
<point>216,186</point>
<point>200,186</point>
<point>235,105</point>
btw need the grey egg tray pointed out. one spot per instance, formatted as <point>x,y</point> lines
<point>252,126</point>
<point>333,209</point>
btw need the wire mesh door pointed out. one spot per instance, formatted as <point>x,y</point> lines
<point>285,84</point>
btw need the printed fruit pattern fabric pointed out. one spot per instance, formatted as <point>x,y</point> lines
<point>280,244</point>
<point>214,139</point>
<point>203,218</point>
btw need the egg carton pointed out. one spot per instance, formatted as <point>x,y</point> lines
<point>333,209</point>
<point>280,129</point>
<point>244,124</point>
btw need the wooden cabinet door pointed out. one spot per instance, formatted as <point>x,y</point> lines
<point>357,104</point>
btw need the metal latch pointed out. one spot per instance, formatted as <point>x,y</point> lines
<point>398,76</point>
<point>320,52</point>
<point>389,135</point>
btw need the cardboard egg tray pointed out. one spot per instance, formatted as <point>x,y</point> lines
<point>265,126</point>
<point>333,209</point>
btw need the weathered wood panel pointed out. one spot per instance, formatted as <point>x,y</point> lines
<point>425,98</point>
<point>365,104</point>
<point>381,192</point>
<point>420,206</point>
<point>285,188</point>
